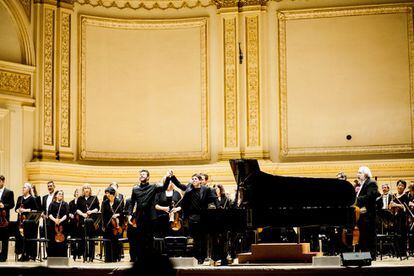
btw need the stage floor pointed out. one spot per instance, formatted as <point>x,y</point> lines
<point>98,267</point>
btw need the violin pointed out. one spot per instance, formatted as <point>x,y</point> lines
<point>3,220</point>
<point>22,218</point>
<point>116,228</point>
<point>175,219</point>
<point>59,236</point>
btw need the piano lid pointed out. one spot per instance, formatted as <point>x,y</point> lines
<point>266,191</point>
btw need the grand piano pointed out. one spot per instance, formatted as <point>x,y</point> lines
<point>266,200</point>
<point>281,201</point>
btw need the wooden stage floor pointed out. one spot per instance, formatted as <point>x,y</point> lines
<point>388,266</point>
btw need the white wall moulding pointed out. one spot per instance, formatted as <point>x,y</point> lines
<point>126,101</point>
<point>339,61</point>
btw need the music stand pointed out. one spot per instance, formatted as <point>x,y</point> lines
<point>33,215</point>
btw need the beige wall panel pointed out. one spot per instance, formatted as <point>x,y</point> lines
<point>148,98</point>
<point>9,38</point>
<point>347,75</point>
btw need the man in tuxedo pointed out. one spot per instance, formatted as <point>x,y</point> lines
<point>6,203</point>
<point>366,201</point>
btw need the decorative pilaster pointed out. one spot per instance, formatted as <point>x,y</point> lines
<point>254,147</point>
<point>64,21</point>
<point>45,27</point>
<point>231,147</point>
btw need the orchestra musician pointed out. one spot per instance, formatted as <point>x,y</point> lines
<point>6,203</point>
<point>398,208</point>
<point>220,236</point>
<point>366,201</point>
<point>131,232</point>
<point>385,217</point>
<point>112,219</point>
<point>75,227</point>
<point>168,206</point>
<point>410,224</point>
<point>87,205</point>
<point>197,197</point>
<point>142,199</point>
<point>27,228</point>
<point>45,202</point>
<point>118,195</point>
<point>58,213</point>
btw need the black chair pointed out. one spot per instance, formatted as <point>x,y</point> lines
<point>175,246</point>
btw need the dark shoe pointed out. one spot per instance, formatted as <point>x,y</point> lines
<point>23,259</point>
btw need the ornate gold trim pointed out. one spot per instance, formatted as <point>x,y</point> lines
<point>230,82</point>
<point>283,17</point>
<point>48,90</point>
<point>15,83</point>
<point>204,153</point>
<point>252,81</point>
<point>65,80</point>
<point>147,5</point>
<point>27,7</point>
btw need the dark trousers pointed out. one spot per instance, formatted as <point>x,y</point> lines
<point>132,239</point>
<point>90,232</point>
<point>26,244</point>
<point>219,246</point>
<point>145,240</point>
<point>368,235</point>
<point>111,245</point>
<point>199,236</point>
<point>4,238</point>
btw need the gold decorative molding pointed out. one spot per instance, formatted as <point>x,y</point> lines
<point>16,80</point>
<point>27,6</point>
<point>230,83</point>
<point>252,81</point>
<point>135,24</point>
<point>283,17</point>
<point>15,83</point>
<point>147,5</point>
<point>48,90</point>
<point>65,80</point>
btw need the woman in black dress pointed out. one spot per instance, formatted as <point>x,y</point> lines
<point>57,226</point>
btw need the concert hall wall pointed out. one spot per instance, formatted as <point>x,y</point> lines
<point>94,90</point>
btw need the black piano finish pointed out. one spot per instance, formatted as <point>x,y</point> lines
<point>280,201</point>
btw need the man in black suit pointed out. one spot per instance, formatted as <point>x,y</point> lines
<point>366,201</point>
<point>197,197</point>
<point>6,203</point>
<point>46,200</point>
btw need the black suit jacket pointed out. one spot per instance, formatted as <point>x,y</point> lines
<point>367,196</point>
<point>207,195</point>
<point>8,200</point>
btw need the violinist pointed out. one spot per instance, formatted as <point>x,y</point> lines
<point>167,204</point>
<point>27,227</point>
<point>75,227</point>
<point>57,226</point>
<point>410,222</point>
<point>398,207</point>
<point>6,203</point>
<point>112,213</point>
<point>86,207</point>
<point>118,195</point>
<point>366,201</point>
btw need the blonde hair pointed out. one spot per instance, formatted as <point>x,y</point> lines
<point>86,186</point>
